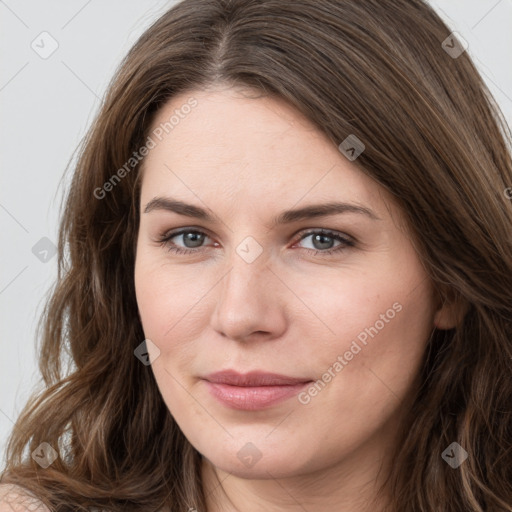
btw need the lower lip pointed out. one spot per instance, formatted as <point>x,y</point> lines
<point>253,398</point>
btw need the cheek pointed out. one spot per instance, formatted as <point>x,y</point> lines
<point>343,308</point>
<point>169,299</point>
<point>381,335</point>
<point>169,308</point>
<point>366,374</point>
<point>173,307</point>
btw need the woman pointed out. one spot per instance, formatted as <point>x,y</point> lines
<point>285,274</point>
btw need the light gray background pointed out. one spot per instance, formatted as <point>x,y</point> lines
<point>47,105</point>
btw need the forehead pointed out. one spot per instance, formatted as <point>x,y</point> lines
<point>238,144</point>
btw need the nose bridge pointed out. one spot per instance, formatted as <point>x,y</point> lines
<point>247,278</point>
<point>246,300</point>
<point>248,262</point>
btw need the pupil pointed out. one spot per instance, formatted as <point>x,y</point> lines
<point>321,238</point>
<point>195,238</point>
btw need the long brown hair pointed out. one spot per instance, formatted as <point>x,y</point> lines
<point>434,138</point>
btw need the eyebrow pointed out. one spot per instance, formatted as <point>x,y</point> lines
<point>286,217</point>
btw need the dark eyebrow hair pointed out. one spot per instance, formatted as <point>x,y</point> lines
<point>286,217</point>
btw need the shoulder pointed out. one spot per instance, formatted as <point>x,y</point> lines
<point>14,498</point>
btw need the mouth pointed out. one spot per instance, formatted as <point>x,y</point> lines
<point>254,390</point>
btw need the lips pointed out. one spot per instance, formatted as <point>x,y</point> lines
<point>254,390</point>
<point>253,378</point>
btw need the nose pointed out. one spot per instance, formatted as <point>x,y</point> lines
<point>250,301</point>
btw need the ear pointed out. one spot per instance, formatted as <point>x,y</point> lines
<point>451,311</point>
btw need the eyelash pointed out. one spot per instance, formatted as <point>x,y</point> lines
<point>164,240</point>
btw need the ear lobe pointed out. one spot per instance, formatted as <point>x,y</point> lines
<point>451,312</point>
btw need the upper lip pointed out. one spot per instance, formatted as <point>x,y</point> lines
<point>253,378</point>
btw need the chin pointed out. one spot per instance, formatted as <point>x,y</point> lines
<point>258,459</point>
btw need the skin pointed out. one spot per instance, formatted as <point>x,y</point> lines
<point>290,311</point>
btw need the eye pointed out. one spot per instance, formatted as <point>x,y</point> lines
<point>193,239</point>
<point>323,240</point>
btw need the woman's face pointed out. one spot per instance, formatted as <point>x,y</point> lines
<point>347,313</point>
